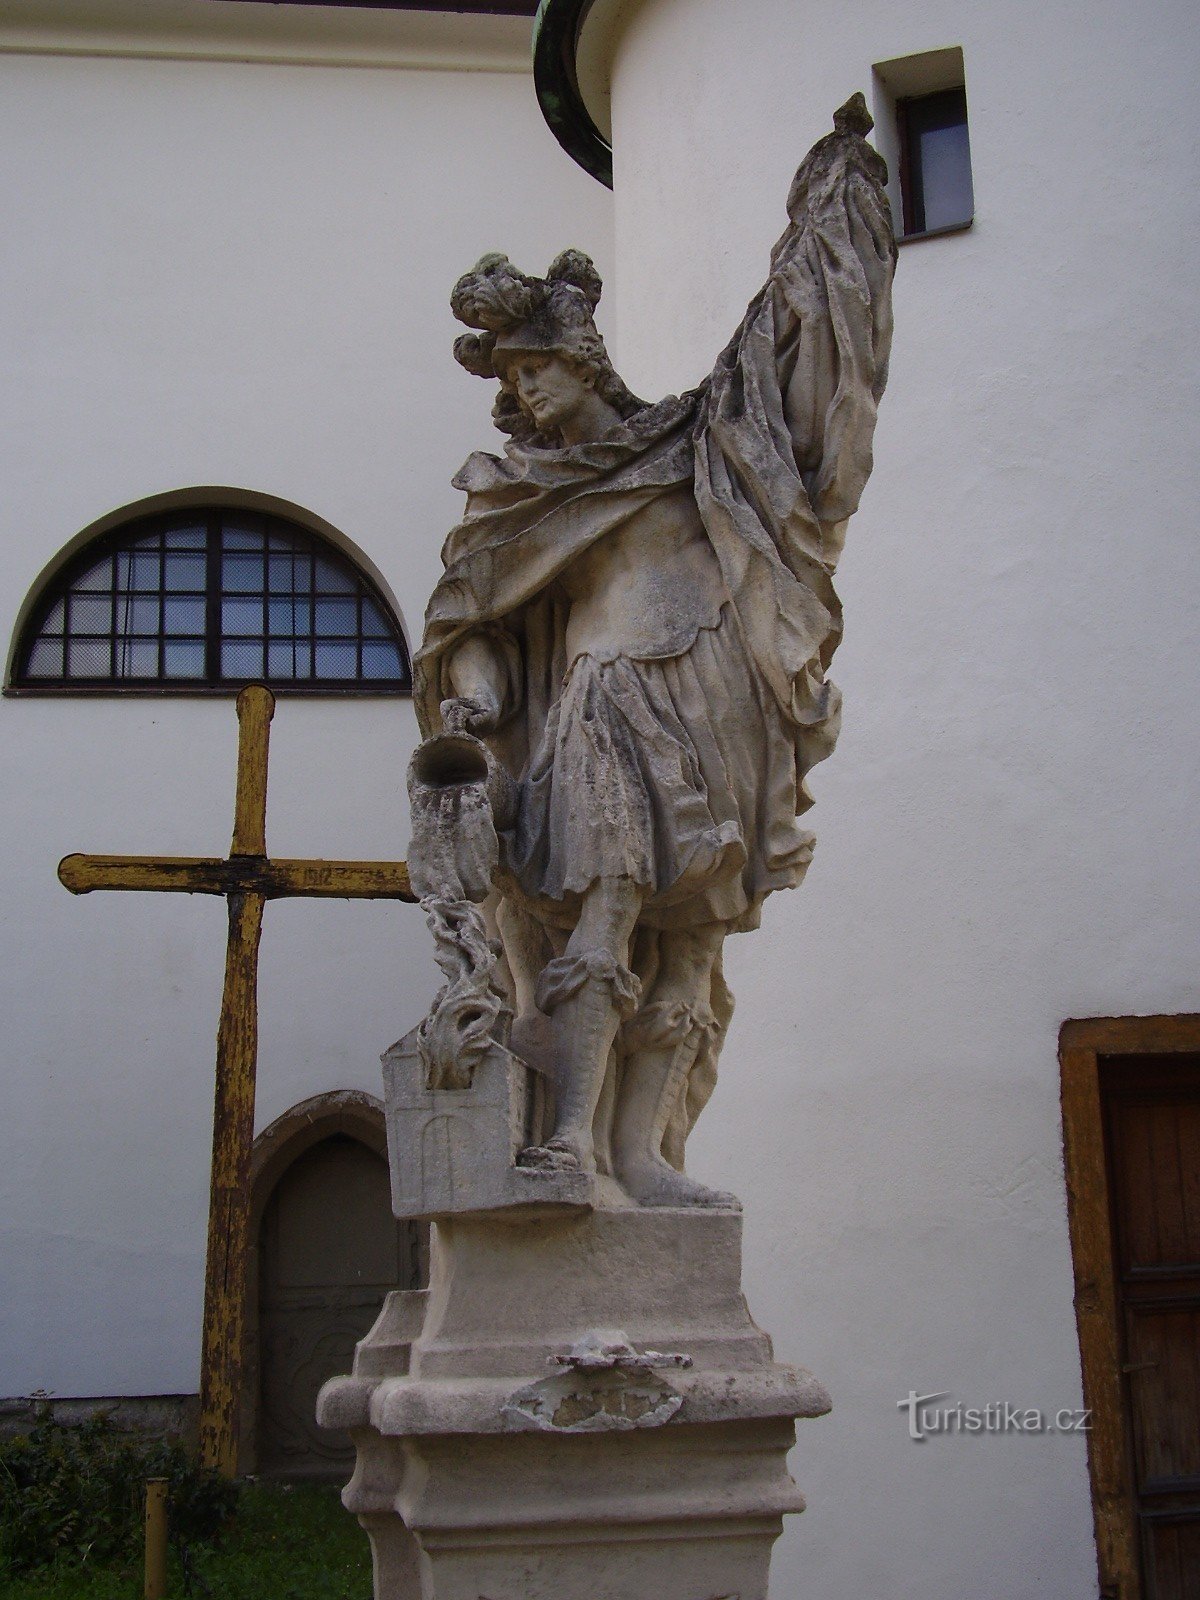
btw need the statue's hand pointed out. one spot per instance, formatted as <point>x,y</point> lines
<point>474,714</point>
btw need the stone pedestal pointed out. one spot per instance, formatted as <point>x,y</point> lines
<point>579,1408</point>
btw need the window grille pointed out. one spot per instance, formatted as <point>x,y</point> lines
<point>211,599</point>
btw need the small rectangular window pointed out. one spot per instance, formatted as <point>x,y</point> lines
<point>935,161</point>
<point>921,131</point>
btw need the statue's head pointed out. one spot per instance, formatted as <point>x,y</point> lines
<point>525,321</point>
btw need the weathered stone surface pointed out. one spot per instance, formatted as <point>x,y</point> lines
<point>635,621</point>
<point>622,686</point>
<point>453,1148</point>
<point>509,1446</point>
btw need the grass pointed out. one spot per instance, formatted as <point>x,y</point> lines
<point>285,1544</point>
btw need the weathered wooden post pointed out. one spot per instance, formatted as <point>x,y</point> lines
<point>156,1539</point>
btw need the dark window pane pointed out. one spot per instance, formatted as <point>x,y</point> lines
<point>946,176</point>
<point>336,617</point>
<point>138,569</point>
<point>54,618</point>
<point>380,660</point>
<point>291,574</point>
<point>88,658</point>
<point>46,659</point>
<point>374,623</point>
<point>332,580</point>
<point>184,572</point>
<point>241,539</point>
<point>91,613</point>
<point>183,658</point>
<point>97,577</point>
<point>183,615</point>
<point>289,658</point>
<point>281,573</point>
<point>242,574</point>
<point>241,616</point>
<point>137,658</point>
<point>936,165</point>
<point>242,660</point>
<point>143,571</point>
<point>336,660</point>
<point>141,615</point>
<point>289,616</point>
<point>194,538</point>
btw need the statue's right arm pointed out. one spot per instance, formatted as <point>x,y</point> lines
<point>477,679</point>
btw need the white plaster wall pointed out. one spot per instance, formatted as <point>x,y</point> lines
<point>1007,831</point>
<point>215,273</point>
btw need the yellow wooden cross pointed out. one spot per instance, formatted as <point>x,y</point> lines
<point>247,879</point>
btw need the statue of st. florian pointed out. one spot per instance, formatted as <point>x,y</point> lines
<point>636,615</point>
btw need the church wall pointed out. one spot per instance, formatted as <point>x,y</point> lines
<point>228,274</point>
<point>1006,832</point>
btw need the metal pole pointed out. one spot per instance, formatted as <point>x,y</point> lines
<point>156,1539</point>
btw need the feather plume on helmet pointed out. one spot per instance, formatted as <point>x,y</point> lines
<point>519,315</point>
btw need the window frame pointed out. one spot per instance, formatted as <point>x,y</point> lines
<point>212,515</point>
<point>895,85</point>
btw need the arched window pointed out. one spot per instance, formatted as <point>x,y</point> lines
<point>211,598</point>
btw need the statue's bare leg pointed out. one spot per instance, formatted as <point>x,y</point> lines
<point>663,1042</point>
<point>588,991</point>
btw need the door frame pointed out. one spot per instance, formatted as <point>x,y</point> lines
<point>351,1112</point>
<point>1082,1045</point>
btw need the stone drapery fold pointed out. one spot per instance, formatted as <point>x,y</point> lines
<point>775,445</point>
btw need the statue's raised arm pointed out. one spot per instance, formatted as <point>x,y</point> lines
<point>812,349</point>
<point>636,616</point>
<point>831,285</point>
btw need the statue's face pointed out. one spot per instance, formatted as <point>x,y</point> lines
<point>550,387</point>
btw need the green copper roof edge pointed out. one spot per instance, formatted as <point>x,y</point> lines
<point>556,30</point>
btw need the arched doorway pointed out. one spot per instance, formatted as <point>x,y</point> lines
<point>329,1250</point>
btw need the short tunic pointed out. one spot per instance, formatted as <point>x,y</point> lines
<point>677,773</point>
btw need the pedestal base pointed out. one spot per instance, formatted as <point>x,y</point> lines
<point>578,1408</point>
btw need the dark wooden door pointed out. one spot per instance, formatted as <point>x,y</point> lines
<point>1152,1134</point>
<point>329,1250</point>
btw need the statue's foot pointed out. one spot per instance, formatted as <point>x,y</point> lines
<point>560,1154</point>
<point>655,1183</point>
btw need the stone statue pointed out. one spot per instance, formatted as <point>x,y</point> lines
<point>622,687</point>
<point>636,618</point>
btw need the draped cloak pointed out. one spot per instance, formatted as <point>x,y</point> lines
<point>775,446</point>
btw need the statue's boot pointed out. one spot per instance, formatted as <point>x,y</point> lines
<point>588,995</point>
<point>662,1046</point>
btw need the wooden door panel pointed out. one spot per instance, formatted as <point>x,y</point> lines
<point>302,1346</point>
<point>332,1221</point>
<point>1152,1124</point>
<point>329,1251</point>
<point>1171,1559</point>
<point>1163,1348</point>
<point>1156,1161</point>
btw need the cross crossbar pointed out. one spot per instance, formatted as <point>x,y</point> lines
<point>273,879</point>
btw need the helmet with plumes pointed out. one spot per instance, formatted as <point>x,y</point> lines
<point>519,314</point>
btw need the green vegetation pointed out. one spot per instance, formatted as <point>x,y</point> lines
<point>71,1526</point>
